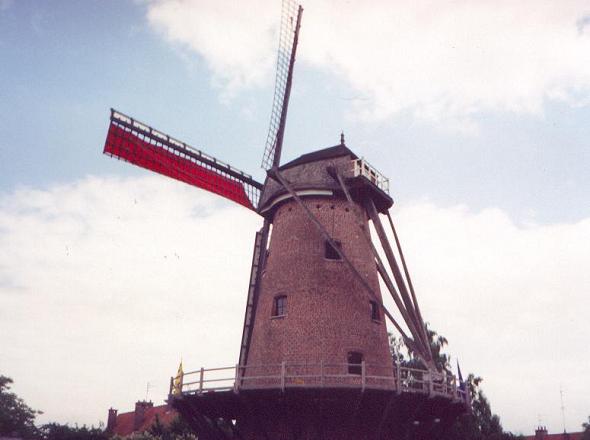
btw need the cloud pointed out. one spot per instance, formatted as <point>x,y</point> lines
<point>443,62</point>
<point>510,301</point>
<point>106,282</point>
<point>236,41</point>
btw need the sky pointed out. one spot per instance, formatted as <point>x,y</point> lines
<point>476,111</point>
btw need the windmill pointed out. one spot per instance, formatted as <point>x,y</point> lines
<point>314,358</point>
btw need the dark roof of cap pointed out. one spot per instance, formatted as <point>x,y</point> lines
<point>326,153</point>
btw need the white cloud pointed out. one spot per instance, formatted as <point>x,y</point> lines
<point>444,62</point>
<point>106,282</point>
<point>236,40</point>
<point>511,300</point>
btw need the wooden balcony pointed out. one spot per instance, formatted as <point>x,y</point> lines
<point>287,375</point>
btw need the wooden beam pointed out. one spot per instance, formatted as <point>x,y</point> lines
<point>374,215</point>
<point>410,285</point>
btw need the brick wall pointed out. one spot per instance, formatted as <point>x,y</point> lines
<point>328,309</point>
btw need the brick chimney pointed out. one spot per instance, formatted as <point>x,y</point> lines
<point>540,433</point>
<point>140,409</point>
<point>112,420</point>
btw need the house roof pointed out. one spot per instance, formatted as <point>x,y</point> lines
<point>561,436</point>
<point>125,421</point>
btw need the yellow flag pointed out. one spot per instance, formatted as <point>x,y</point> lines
<point>177,386</point>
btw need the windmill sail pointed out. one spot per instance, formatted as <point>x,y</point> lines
<point>148,148</point>
<point>288,38</point>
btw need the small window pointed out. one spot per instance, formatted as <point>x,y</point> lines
<point>279,306</point>
<point>330,251</point>
<point>375,316</point>
<point>355,360</point>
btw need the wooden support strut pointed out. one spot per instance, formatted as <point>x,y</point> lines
<point>410,285</point>
<point>380,266</point>
<point>374,215</point>
<point>417,346</point>
<point>275,173</point>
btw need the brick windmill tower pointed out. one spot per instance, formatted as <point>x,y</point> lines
<point>314,359</point>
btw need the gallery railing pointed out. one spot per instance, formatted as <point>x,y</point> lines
<point>363,168</point>
<point>321,375</point>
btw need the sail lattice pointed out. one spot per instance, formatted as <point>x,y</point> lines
<point>290,11</point>
<point>148,148</point>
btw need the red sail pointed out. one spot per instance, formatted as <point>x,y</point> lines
<point>149,152</point>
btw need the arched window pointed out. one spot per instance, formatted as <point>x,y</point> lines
<point>355,360</point>
<point>280,306</point>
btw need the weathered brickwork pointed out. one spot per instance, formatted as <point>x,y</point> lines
<point>328,310</point>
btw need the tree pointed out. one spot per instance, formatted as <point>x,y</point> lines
<point>177,430</point>
<point>407,357</point>
<point>56,431</point>
<point>16,417</point>
<point>481,423</point>
<point>586,426</point>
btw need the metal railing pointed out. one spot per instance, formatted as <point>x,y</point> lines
<point>364,168</point>
<point>320,375</point>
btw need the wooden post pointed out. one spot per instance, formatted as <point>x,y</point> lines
<point>171,385</point>
<point>201,380</point>
<point>283,376</point>
<point>363,375</point>
<point>237,379</point>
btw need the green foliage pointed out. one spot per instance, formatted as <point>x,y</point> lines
<point>149,436</point>
<point>56,431</point>
<point>586,426</point>
<point>137,436</point>
<point>481,423</point>
<point>407,357</point>
<point>16,417</point>
<point>177,430</point>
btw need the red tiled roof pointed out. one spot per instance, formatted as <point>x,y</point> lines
<point>562,436</point>
<point>125,421</point>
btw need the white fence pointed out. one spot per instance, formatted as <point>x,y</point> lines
<point>320,375</point>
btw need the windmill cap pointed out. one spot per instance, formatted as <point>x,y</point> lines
<point>326,153</point>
